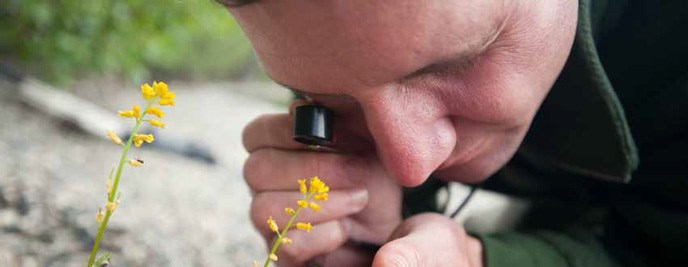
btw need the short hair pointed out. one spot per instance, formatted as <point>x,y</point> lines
<point>234,3</point>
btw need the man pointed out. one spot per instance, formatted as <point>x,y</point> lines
<point>579,106</point>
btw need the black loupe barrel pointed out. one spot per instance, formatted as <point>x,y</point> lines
<point>313,125</point>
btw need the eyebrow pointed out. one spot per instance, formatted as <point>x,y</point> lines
<point>444,66</point>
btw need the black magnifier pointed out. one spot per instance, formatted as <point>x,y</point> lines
<point>313,125</point>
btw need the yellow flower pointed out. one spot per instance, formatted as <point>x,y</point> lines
<point>168,95</point>
<point>166,102</point>
<point>304,226</point>
<point>314,206</point>
<point>160,88</point>
<point>114,138</point>
<point>302,203</point>
<point>302,186</point>
<point>289,211</point>
<point>286,240</point>
<point>273,257</point>
<point>155,111</point>
<point>147,91</point>
<point>272,224</point>
<point>135,162</point>
<point>126,114</point>
<point>321,196</point>
<point>157,123</point>
<point>317,186</point>
<point>140,138</point>
<point>100,216</point>
<point>255,264</point>
<point>111,206</point>
<point>133,113</point>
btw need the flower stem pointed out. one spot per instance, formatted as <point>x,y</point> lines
<point>111,196</point>
<point>101,230</point>
<point>280,236</point>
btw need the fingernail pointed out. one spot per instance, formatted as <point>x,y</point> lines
<point>359,197</point>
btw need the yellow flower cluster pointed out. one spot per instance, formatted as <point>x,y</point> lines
<point>312,190</point>
<point>158,92</point>
<point>158,89</point>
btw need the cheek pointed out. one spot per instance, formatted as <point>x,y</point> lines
<point>492,93</point>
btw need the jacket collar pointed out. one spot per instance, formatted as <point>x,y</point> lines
<point>581,126</point>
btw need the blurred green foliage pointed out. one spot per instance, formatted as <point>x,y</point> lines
<point>65,39</point>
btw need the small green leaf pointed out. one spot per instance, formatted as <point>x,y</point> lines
<point>103,261</point>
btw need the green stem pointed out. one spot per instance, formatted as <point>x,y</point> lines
<point>111,196</point>
<point>101,230</point>
<point>278,242</point>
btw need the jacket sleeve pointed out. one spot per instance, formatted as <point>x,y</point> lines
<point>635,232</point>
<point>544,248</point>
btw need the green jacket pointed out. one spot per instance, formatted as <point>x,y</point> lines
<point>606,159</point>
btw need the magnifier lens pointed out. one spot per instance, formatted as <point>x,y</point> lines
<point>313,125</point>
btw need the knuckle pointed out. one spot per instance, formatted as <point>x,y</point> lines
<point>255,213</point>
<point>254,130</point>
<point>249,131</point>
<point>251,167</point>
<point>260,208</point>
<point>254,168</point>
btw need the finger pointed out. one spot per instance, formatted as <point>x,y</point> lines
<point>270,130</point>
<point>348,255</point>
<point>424,240</point>
<point>322,239</point>
<point>341,203</point>
<point>272,169</point>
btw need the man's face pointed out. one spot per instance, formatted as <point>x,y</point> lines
<point>443,87</point>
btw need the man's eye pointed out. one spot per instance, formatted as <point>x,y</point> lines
<point>445,68</point>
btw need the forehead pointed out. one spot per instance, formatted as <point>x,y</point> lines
<point>342,43</point>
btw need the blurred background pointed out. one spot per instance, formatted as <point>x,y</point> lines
<point>66,67</point>
<point>67,40</point>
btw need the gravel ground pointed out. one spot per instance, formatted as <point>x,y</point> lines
<point>175,211</point>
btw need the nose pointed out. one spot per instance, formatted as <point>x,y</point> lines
<point>412,135</point>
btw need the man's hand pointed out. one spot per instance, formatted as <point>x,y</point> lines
<point>430,240</point>
<point>364,204</point>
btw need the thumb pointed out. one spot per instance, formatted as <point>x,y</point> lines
<point>429,240</point>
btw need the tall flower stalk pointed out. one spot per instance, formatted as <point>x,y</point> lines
<point>157,94</point>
